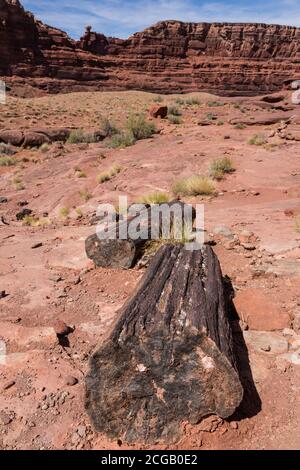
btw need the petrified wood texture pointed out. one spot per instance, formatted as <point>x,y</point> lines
<point>123,253</point>
<point>169,357</point>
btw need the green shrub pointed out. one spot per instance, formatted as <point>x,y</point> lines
<point>212,104</point>
<point>108,127</point>
<point>193,186</point>
<point>158,99</point>
<point>192,101</point>
<point>220,166</point>
<point>174,111</point>
<point>240,126</point>
<point>174,119</point>
<point>121,140</point>
<point>139,127</point>
<point>76,137</point>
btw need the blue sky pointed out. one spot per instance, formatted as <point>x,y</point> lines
<point>121,18</point>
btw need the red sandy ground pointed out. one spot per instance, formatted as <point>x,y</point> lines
<point>56,281</point>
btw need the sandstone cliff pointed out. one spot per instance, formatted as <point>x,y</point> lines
<point>170,56</point>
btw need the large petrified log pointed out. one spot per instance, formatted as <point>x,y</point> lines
<point>169,357</point>
<point>117,252</point>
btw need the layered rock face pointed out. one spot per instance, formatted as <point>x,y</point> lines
<point>168,57</point>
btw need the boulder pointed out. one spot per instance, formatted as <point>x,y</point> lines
<point>13,137</point>
<point>33,139</point>
<point>158,111</point>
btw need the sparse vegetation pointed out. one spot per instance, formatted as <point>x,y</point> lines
<point>213,104</point>
<point>7,161</point>
<point>174,111</point>
<point>109,128</point>
<point>108,175</point>
<point>79,213</point>
<point>158,99</point>
<point>6,149</point>
<point>18,184</point>
<point>257,139</point>
<point>220,123</point>
<point>192,101</point>
<point>80,174</point>
<point>210,117</point>
<point>32,221</point>
<point>154,198</point>
<point>240,126</point>
<point>44,148</point>
<point>85,195</point>
<point>220,166</point>
<point>139,127</point>
<point>64,212</point>
<point>174,119</point>
<point>193,186</point>
<point>76,137</point>
<point>121,140</point>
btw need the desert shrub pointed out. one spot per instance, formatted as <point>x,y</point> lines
<point>213,104</point>
<point>85,195</point>
<point>7,161</point>
<point>220,123</point>
<point>240,126</point>
<point>192,101</point>
<point>297,222</point>
<point>257,139</point>
<point>121,140</point>
<point>174,111</point>
<point>179,101</point>
<point>32,221</point>
<point>44,148</point>
<point>210,116</point>
<point>193,186</point>
<point>154,198</point>
<point>220,166</point>
<point>108,127</point>
<point>64,212</point>
<point>158,99</point>
<point>79,212</point>
<point>76,137</point>
<point>174,119</point>
<point>18,184</point>
<point>109,174</point>
<point>236,106</point>
<point>80,174</point>
<point>6,149</point>
<point>139,127</point>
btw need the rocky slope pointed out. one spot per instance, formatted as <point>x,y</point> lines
<point>168,57</point>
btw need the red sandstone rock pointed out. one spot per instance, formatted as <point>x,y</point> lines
<point>169,56</point>
<point>259,311</point>
<point>157,111</point>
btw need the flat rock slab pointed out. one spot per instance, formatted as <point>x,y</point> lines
<point>259,311</point>
<point>265,341</point>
